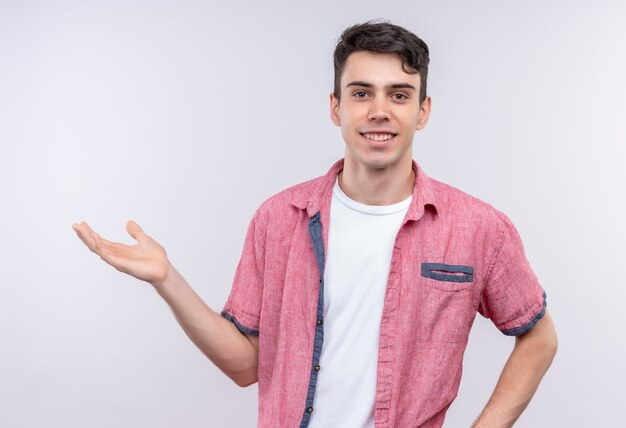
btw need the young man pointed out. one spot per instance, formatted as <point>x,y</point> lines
<point>356,291</point>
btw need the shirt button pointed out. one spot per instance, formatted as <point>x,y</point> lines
<point>317,367</point>
<point>319,321</point>
<point>309,409</point>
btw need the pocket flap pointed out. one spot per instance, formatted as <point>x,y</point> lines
<point>444,272</point>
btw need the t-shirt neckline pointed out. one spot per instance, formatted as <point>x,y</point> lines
<point>369,209</point>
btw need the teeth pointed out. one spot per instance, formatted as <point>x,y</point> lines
<point>379,137</point>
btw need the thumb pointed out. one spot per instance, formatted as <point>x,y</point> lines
<point>135,231</point>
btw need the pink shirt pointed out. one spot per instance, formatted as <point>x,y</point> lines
<point>453,256</point>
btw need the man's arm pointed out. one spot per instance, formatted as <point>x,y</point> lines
<point>526,366</point>
<point>230,350</point>
<point>234,353</point>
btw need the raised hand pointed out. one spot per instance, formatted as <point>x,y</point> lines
<point>146,260</point>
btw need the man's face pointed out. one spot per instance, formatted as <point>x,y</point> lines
<point>379,110</point>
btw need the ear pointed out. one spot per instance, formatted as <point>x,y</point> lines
<point>334,110</point>
<point>425,109</point>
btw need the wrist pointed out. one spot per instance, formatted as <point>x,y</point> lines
<point>167,282</point>
<point>492,418</point>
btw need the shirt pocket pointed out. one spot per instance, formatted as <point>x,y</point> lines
<point>445,302</point>
<point>446,277</point>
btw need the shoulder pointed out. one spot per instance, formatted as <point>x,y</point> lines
<point>456,204</point>
<point>476,220</point>
<point>289,200</point>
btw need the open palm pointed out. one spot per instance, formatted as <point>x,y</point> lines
<point>146,260</point>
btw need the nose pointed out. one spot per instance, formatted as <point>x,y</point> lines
<point>379,110</point>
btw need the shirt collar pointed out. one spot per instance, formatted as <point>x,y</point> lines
<point>315,195</point>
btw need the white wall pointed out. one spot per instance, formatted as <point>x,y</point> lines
<point>185,115</point>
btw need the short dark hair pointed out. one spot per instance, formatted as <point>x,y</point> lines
<point>383,37</point>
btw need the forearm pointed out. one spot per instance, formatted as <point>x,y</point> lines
<point>219,339</point>
<point>520,377</point>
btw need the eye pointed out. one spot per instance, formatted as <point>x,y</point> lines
<point>399,96</point>
<point>359,94</point>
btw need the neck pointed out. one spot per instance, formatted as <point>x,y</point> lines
<point>383,186</point>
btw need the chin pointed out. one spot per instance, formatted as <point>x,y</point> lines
<point>377,161</point>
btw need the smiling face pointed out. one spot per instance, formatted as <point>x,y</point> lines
<point>379,110</point>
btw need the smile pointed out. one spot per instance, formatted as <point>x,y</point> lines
<point>379,137</point>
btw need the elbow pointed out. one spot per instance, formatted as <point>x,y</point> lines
<point>245,382</point>
<point>244,378</point>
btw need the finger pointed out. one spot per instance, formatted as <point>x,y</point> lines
<point>115,248</point>
<point>87,228</point>
<point>102,249</point>
<point>135,231</point>
<point>85,234</point>
<point>105,253</point>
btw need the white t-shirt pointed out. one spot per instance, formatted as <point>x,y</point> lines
<point>360,243</point>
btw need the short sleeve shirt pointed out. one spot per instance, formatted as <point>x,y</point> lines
<point>454,256</point>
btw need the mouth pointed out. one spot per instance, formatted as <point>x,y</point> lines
<point>378,138</point>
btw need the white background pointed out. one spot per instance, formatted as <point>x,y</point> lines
<point>186,115</point>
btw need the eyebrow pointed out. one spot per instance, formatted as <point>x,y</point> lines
<point>393,85</point>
